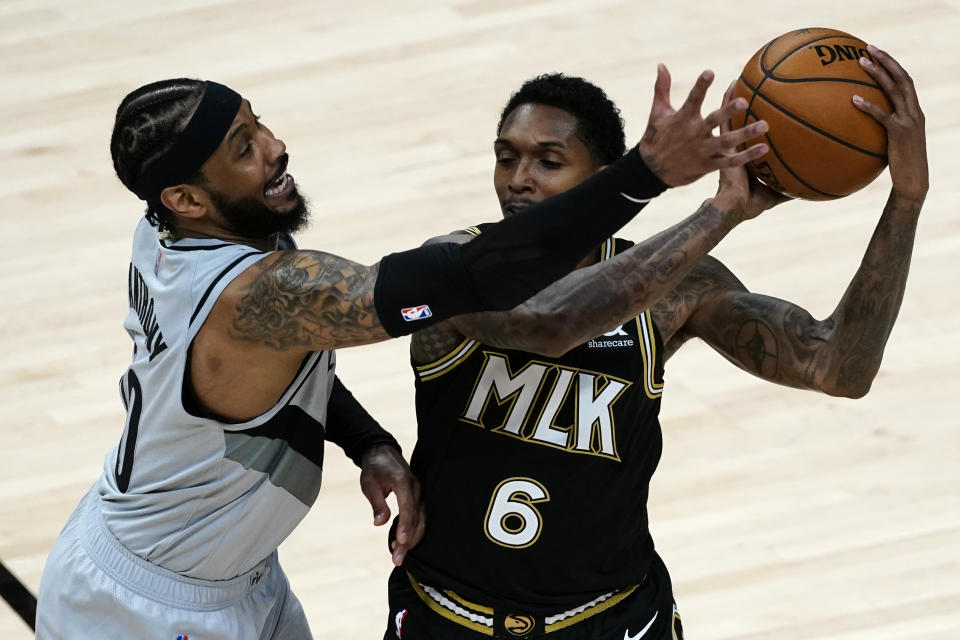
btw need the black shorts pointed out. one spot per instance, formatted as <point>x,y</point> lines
<point>647,612</point>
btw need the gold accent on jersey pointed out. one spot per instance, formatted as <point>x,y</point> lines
<point>590,611</point>
<point>447,613</point>
<point>600,607</point>
<point>447,362</point>
<point>608,249</point>
<point>453,595</point>
<point>648,352</point>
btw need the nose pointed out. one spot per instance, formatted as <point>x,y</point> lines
<point>521,180</point>
<point>276,148</point>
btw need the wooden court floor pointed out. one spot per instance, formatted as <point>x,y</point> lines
<point>781,514</point>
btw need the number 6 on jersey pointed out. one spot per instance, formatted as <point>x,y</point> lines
<point>512,520</point>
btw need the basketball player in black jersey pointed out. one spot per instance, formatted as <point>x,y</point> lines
<point>538,429</point>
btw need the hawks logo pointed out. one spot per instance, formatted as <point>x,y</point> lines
<point>518,625</point>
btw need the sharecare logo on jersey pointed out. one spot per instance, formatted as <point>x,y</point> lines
<point>602,342</point>
<point>398,620</point>
<point>416,313</point>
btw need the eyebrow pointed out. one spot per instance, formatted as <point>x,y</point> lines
<point>238,128</point>
<point>542,143</point>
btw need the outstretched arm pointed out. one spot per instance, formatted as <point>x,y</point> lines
<point>294,302</point>
<point>592,300</point>
<point>305,300</point>
<point>840,355</point>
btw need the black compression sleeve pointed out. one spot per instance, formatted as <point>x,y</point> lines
<point>350,427</point>
<point>514,258</point>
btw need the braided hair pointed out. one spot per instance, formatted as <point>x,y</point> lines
<point>147,123</point>
<point>599,125</point>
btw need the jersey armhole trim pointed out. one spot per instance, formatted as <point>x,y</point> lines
<point>455,357</point>
<point>648,351</point>
<point>213,284</point>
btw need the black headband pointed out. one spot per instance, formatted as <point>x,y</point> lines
<point>197,142</point>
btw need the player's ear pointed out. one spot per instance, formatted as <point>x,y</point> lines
<point>185,200</point>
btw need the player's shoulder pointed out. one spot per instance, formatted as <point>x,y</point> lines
<point>458,237</point>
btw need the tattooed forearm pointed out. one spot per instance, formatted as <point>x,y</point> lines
<point>590,301</point>
<point>869,308</point>
<point>309,299</point>
<point>782,342</point>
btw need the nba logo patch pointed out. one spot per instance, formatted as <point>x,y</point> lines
<point>182,638</point>
<point>156,269</point>
<point>398,620</point>
<point>416,313</point>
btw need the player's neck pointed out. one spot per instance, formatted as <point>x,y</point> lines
<point>268,243</point>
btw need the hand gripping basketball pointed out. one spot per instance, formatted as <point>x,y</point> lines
<point>679,145</point>
<point>739,192</point>
<point>906,138</point>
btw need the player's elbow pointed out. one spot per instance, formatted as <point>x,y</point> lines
<point>851,387</point>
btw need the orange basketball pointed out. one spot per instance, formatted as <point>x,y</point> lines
<point>821,146</point>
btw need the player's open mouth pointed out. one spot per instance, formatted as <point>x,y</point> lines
<point>280,187</point>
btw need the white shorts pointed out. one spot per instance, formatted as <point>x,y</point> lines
<point>94,587</point>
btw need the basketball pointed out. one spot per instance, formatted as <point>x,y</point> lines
<point>821,146</point>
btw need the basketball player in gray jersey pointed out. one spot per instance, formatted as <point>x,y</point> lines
<point>232,389</point>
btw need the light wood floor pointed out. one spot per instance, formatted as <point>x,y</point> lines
<point>781,514</point>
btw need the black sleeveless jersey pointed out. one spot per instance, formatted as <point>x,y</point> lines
<point>535,470</point>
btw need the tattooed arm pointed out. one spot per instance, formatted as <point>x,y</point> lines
<point>590,300</point>
<point>268,319</point>
<point>307,300</point>
<point>593,299</point>
<point>781,342</point>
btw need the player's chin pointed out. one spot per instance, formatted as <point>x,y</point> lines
<point>511,209</point>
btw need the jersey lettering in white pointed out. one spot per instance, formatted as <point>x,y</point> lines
<point>594,395</point>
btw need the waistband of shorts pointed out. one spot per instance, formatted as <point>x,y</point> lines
<point>507,622</point>
<point>155,582</point>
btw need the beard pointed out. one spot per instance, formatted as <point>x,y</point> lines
<point>251,218</point>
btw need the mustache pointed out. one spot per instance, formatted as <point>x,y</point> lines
<point>282,162</point>
<point>517,203</point>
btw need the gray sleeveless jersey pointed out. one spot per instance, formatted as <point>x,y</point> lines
<point>204,498</point>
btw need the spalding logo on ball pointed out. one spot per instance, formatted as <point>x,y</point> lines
<point>821,146</point>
